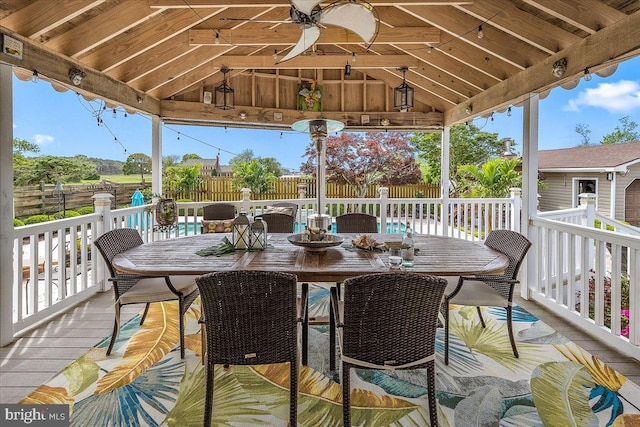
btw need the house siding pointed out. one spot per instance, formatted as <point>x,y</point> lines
<point>559,192</point>
<point>622,183</point>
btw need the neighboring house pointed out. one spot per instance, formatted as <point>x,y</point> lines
<point>209,166</point>
<point>612,172</point>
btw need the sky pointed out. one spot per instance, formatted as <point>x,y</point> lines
<point>65,124</point>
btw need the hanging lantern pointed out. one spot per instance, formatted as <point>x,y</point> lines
<point>241,233</point>
<point>224,93</point>
<point>403,94</point>
<point>166,212</point>
<point>258,235</point>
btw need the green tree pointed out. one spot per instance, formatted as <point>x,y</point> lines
<point>170,160</point>
<point>254,174</point>
<point>137,163</point>
<point>585,133</point>
<point>22,146</point>
<point>491,180</point>
<point>52,169</point>
<point>190,156</point>
<point>183,178</point>
<point>625,132</point>
<point>468,146</point>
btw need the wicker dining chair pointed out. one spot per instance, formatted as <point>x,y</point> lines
<point>134,289</point>
<point>491,290</point>
<point>278,222</point>
<point>293,206</point>
<point>251,318</point>
<point>388,321</point>
<point>217,212</point>
<point>356,223</point>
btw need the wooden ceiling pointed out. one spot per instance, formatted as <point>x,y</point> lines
<point>161,56</point>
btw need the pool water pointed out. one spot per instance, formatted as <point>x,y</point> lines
<point>297,228</point>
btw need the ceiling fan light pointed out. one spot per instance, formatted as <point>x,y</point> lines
<point>403,95</point>
<point>224,94</point>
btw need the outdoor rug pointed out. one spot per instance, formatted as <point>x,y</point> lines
<point>145,383</point>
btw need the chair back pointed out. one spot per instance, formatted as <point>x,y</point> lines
<point>250,317</point>
<point>356,223</point>
<point>293,206</point>
<point>391,317</point>
<point>278,222</point>
<point>115,242</point>
<point>219,211</point>
<point>512,244</point>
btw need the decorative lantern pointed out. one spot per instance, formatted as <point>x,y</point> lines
<point>258,235</point>
<point>241,232</point>
<point>224,94</point>
<point>166,213</point>
<point>403,94</point>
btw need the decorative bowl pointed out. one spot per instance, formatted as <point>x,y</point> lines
<point>316,245</point>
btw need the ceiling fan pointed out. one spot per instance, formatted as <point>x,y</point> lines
<point>354,15</point>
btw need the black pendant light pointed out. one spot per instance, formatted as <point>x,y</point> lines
<point>403,94</point>
<point>224,97</point>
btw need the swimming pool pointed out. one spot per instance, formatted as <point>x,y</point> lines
<point>297,228</point>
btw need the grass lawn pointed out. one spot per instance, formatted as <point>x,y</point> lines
<point>120,179</point>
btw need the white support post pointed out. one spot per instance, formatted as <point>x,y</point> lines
<point>384,202</point>
<point>156,155</point>
<point>445,178</point>
<point>102,205</point>
<point>246,198</point>
<point>6,205</point>
<point>516,196</point>
<point>530,123</point>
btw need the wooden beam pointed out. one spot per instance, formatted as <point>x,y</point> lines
<point>312,62</point>
<point>427,97</point>
<point>182,4</point>
<point>103,27</point>
<point>200,113</point>
<point>601,49</point>
<point>289,35</point>
<point>39,17</point>
<point>588,15</point>
<point>56,67</point>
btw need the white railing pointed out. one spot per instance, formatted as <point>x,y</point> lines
<point>43,252</point>
<point>588,276</point>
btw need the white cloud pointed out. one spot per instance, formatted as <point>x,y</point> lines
<point>619,97</point>
<point>43,139</point>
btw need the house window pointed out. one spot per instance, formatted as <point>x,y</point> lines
<point>584,186</point>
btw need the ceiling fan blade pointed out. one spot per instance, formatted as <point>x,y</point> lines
<point>352,16</point>
<point>308,37</point>
<point>265,21</point>
<point>305,6</point>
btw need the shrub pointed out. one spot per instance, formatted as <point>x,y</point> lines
<point>86,210</point>
<point>66,214</point>
<point>37,219</point>
<point>624,302</point>
<point>17,222</point>
<point>181,211</point>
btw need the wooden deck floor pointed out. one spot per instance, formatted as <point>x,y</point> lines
<point>37,357</point>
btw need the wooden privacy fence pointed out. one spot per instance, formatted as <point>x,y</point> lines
<point>45,199</point>
<point>221,188</point>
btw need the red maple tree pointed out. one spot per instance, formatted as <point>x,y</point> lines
<point>363,159</point>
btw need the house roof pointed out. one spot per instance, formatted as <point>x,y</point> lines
<point>596,157</point>
<point>164,57</point>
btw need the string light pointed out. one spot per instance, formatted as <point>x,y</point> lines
<point>178,136</point>
<point>480,32</point>
<point>509,112</point>
<point>114,114</point>
<point>430,50</point>
<point>353,56</point>
<point>491,116</point>
<point>587,74</point>
<point>275,53</point>
<point>35,77</point>
<point>217,41</point>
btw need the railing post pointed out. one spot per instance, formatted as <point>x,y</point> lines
<point>516,208</point>
<point>588,200</point>
<point>246,198</point>
<point>384,202</point>
<point>302,190</point>
<point>102,205</point>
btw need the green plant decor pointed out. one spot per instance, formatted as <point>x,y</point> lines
<point>624,302</point>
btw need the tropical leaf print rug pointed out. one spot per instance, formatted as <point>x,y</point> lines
<point>145,383</point>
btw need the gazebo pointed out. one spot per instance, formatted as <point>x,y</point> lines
<point>219,63</point>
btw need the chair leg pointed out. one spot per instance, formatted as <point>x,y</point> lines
<point>446,333</point>
<point>144,315</point>
<point>293,393</point>
<point>208,399</point>
<point>203,343</point>
<point>510,329</point>
<point>431,388</point>
<point>346,394</point>
<point>114,334</point>
<point>332,339</point>
<point>305,329</point>
<point>181,307</point>
<point>480,316</point>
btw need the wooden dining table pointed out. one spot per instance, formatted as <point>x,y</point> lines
<point>436,255</point>
<point>441,256</point>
